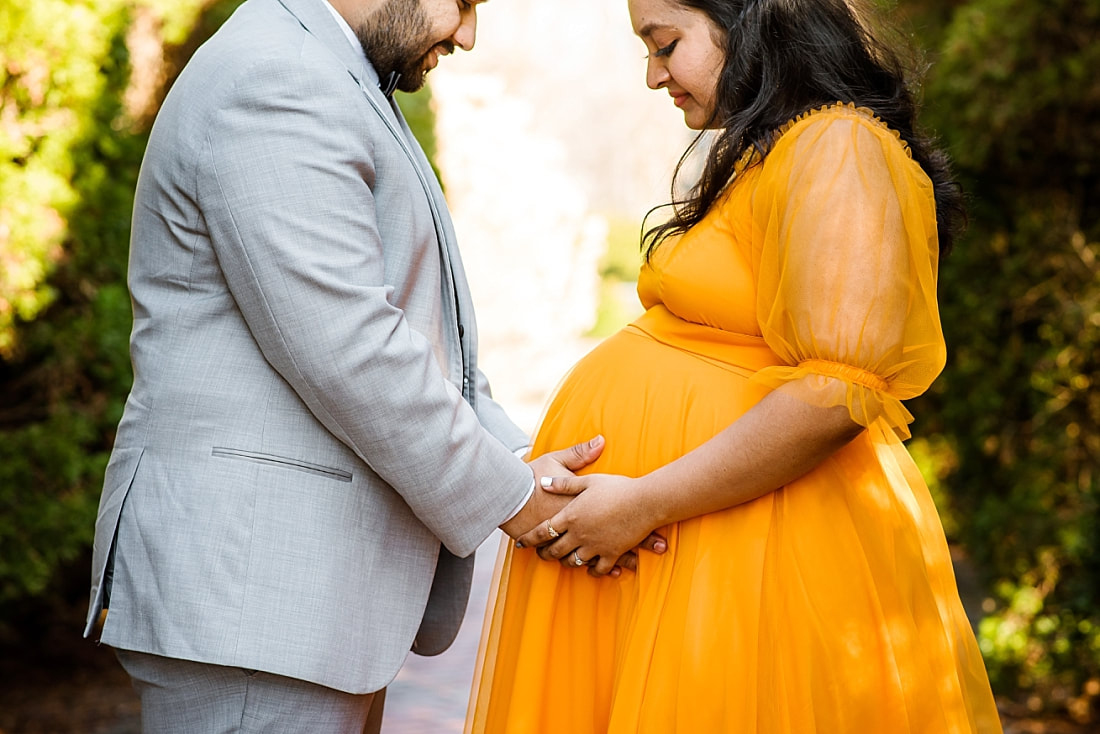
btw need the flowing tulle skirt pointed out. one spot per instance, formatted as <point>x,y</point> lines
<point>827,606</point>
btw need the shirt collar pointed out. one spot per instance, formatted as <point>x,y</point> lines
<point>348,32</point>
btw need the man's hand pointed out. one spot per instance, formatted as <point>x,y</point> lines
<point>542,504</point>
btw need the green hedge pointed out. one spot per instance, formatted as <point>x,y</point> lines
<point>67,169</point>
<point>1016,95</point>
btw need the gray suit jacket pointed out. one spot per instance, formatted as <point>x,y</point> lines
<point>307,423</point>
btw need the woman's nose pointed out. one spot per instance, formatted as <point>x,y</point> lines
<point>656,74</point>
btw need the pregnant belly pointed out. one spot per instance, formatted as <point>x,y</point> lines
<point>652,400</point>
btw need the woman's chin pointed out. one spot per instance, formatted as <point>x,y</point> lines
<point>693,122</point>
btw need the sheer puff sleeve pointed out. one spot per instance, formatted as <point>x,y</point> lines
<point>844,223</point>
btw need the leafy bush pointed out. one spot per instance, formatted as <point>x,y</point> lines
<point>1016,96</point>
<point>618,270</point>
<point>68,173</point>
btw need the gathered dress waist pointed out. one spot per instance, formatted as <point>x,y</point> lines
<point>743,353</point>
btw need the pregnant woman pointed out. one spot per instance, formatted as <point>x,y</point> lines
<point>753,416</point>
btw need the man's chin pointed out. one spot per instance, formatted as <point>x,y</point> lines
<point>412,82</point>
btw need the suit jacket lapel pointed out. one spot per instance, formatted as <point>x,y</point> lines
<point>318,22</point>
<point>316,19</point>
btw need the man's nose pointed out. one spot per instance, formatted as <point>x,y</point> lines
<point>466,34</point>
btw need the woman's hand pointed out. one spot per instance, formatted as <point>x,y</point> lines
<point>543,504</point>
<point>774,443</point>
<point>608,518</point>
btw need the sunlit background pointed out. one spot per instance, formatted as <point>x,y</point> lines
<point>551,148</point>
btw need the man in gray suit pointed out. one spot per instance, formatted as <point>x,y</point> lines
<point>309,455</point>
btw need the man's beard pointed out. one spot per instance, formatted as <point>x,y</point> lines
<point>395,39</point>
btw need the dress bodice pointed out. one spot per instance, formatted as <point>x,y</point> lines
<point>706,276</point>
<point>827,250</point>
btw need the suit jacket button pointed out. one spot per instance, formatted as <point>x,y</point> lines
<point>461,331</point>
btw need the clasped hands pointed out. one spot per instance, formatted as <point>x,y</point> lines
<point>594,520</point>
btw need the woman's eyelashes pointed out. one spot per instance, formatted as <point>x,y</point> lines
<point>665,50</point>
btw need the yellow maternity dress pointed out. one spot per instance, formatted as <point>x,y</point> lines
<point>828,606</point>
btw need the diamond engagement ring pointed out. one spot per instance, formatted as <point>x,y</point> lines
<point>577,559</point>
<point>550,530</point>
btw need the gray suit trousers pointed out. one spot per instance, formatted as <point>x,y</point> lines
<point>184,697</point>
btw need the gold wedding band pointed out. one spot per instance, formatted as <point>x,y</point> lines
<point>577,559</point>
<point>550,530</point>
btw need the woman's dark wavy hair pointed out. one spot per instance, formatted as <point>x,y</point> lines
<point>784,57</point>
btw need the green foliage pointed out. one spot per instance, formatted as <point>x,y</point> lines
<point>418,112</point>
<point>623,257</point>
<point>618,299</point>
<point>51,54</point>
<point>1016,97</point>
<point>937,460</point>
<point>68,172</point>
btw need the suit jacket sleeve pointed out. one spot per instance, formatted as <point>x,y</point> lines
<point>286,178</point>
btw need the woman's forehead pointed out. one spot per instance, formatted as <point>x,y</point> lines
<point>648,16</point>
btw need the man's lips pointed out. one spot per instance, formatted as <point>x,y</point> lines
<point>431,59</point>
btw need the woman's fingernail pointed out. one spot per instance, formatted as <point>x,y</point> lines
<point>546,482</point>
<point>660,547</point>
<point>519,544</point>
<point>595,442</point>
